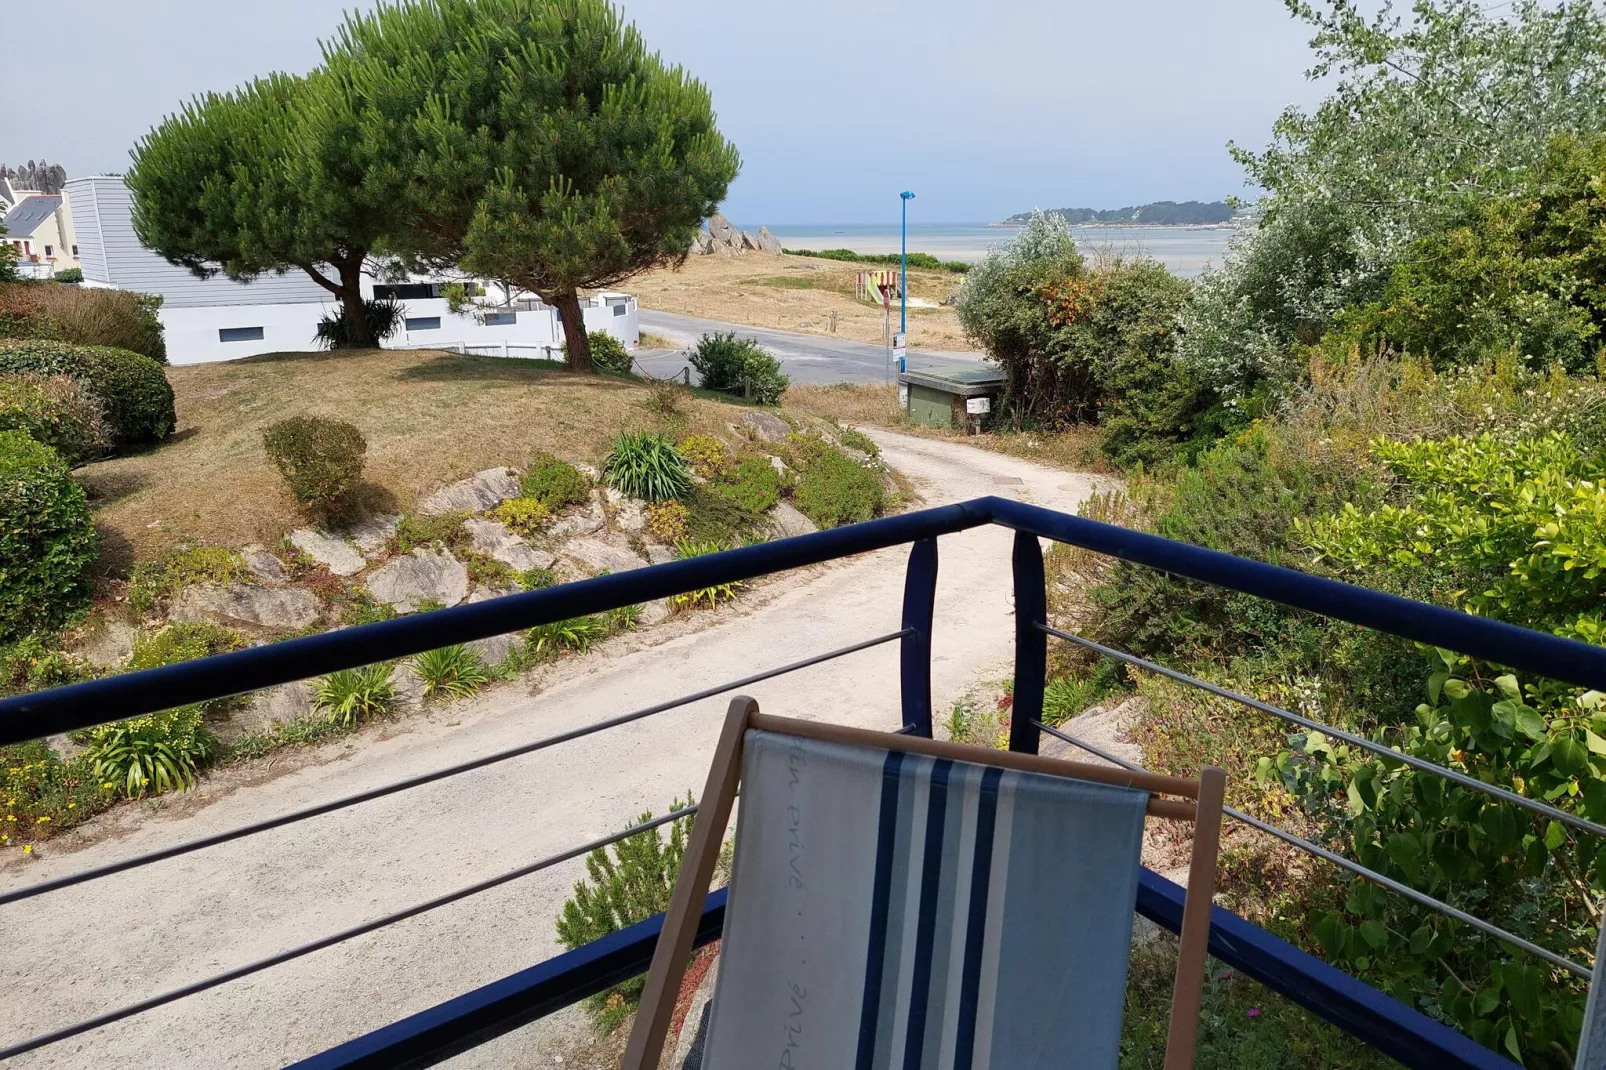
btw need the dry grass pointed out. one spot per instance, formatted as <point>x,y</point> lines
<point>798,293</point>
<point>429,418</point>
<point>873,405</point>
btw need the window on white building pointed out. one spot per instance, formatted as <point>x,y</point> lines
<point>501,319</point>
<point>239,334</point>
<point>423,323</point>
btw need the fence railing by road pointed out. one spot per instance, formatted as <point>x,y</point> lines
<point>1399,1031</point>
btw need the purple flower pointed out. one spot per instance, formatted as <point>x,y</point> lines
<point>1253,1012</point>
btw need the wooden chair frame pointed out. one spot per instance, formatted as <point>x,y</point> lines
<point>1199,801</point>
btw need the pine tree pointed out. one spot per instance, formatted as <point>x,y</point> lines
<point>546,146</point>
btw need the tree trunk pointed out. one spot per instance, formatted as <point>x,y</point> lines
<point>362,332</point>
<point>574,329</point>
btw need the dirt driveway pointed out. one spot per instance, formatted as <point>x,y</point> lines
<point>88,949</point>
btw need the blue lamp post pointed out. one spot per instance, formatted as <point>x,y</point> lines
<point>903,276</point>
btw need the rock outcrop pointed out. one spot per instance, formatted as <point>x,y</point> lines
<point>372,534</point>
<point>330,551</point>
<point>495,540</point>
<point>284,609</point>
<point>785,522</point>
<point>722,237</point>
<point>602,554</point>
<point>767,242</point>
<point>421,576</point>
<point>766,426</point>
<point>483,490</point>
<point>265,566</point>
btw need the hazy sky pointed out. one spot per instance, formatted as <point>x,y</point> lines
<point>983,109</point>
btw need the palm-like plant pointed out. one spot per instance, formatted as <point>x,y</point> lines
<point>351,696</point>
<point>161,752</point>
<point>647,466</point>
<point>709,596</point>
<point>576,633</point>
<point>453,671</point>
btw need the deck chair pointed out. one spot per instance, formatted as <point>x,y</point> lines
<point>900,903</point>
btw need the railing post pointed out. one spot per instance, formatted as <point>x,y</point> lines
<point>1031,643</point>
<point>919,604</point>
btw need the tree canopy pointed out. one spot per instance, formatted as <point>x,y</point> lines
<point>547,147</point>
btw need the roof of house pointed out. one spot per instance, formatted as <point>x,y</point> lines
<point>25,218</point>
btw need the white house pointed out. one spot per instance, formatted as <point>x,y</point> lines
<point>39,227</point>
<point>219,319</point>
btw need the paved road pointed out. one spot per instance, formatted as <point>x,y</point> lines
<point>807,358</point>
<point>84,950</point>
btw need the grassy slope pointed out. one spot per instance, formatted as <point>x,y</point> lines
<point>798,293</point>
<point>429,418</point>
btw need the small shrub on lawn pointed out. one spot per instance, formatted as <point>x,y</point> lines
<point>666,522</point>
<point>534,579</point>
<point>647,466</point>
<point>451,672</point>
<point>705,453</point>
<point>47,540</point>
<point>576,634</point>
<point>40,794</point>
<point>56,410</point>
<point>321,460</point>
<point>154,581</point>
<point>628,882</point>
<point>133,388</point>
<point>753,484</point>
<point>703,596</point>
<point>68,276</point>
<point>738,366</point>
<point>384,319</point>
<point>156,753</point>
<point>608,354</point>
<point>351,697</point>
<point>667,400</point>
<point>443,529</point>
<point>833,490</point>
<point>523,515</point>
<point>554,482</point>
<point>855,439</point>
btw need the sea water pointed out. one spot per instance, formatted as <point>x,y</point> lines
<point>1185,250</point>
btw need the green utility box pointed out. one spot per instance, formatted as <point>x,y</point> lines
<point>952,395</point>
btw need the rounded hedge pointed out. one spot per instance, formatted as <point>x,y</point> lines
<point>134,390</point>
<point>47,541</point>
<point>56,410</point>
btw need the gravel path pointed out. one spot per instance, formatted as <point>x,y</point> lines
<point>84,950</point>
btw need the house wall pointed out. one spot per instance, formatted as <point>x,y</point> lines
<point>49,247</point>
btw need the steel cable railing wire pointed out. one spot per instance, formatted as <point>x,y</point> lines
<point>428,778</point>
<point>1381,750</point>
<point>57,1035</point>
<point>1354,867</point>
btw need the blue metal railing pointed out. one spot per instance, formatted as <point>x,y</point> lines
<point>424,1039</point>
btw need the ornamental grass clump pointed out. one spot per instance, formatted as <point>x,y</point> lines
<point>647,466</point>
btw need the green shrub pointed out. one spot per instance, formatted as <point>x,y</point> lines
<point>56,410</point>
<point>440,529</point>
<point>185,641</point>
<point>68,276</point>
<point>705,453</point>
<point>916,260</point>
<point>622,619</point>
<point>156,753</point>
<point>364,609</point>
<point>534,579</point>
<point>47,540</point>
<point>738,366</point>
<point>133,388</point>
<point>80,316</point>
<point>350,697</point>
<point>712,517</point>
<point>854,439</point>
<point>554,482</point>
<point>753,484</point>
<point>647,466</point>
<point>153,581</point>
<point>523,515</point>
<point>40,794</point>
<point>451,671</point>
<point>666,521</point>
<point>834,490</point>
<point>384,319</point>
<point>608,354</point>
<point>576,634</point>
<point>320,459</point>
<point>33,664</point>
<point>626,883</point>
<point>485,571</point>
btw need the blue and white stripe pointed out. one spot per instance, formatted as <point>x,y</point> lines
<point>891,911</point>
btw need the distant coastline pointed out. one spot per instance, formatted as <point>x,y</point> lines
<point>1153,214</point>
<point>1234,224</point>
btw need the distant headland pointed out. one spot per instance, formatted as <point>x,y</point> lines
<point>1157,214</point>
